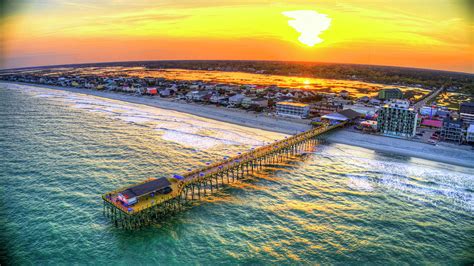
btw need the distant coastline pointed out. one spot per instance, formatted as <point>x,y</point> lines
<point>452,154</point>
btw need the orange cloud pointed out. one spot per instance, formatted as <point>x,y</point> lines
<point>405,33</point>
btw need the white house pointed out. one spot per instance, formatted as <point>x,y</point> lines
<point>236,99</point>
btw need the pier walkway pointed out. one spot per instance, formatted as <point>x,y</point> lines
<point>204,181</point>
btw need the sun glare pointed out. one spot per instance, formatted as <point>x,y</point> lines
<point>309,23</point>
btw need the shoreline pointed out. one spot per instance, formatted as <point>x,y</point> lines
<point>222,114</point>
<point>445,153</point>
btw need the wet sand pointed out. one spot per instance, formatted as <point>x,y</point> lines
<point>461,155</point>
<point>229,115</point>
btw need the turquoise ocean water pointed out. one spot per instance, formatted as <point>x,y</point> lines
<point>60,151</point>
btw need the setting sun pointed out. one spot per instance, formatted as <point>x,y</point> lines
<point>397,33</point>
<point>265,131</point>
<point>310,24</point>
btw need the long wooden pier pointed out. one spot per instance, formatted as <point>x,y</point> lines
<point>204,181</point>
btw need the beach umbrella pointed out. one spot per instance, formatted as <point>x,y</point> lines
<point>208,163</point>
<point>239,153</point>
<point>201,174</point>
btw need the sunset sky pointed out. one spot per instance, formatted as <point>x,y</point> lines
<point>437,34</point>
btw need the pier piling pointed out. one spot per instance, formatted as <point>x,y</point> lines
<point>199,183</point>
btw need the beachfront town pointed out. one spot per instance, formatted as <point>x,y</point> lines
<point>388,113</point>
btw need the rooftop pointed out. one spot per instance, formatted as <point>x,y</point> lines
<point>450,120</point>
<point>146,188</point>
<point>349,113</point>
<point>432,123</point>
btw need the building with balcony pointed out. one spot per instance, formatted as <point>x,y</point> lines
<point>452,130</point>
<point>470,134</point>
<point>324,107</point>
<point>466,111</point>
<point>292,109</point>
<point>397,119</point>
<point>389,94</point>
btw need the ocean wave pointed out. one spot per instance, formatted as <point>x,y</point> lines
<point>181,128</point>
<point>360,183</point>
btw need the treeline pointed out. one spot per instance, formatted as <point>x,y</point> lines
<point>368,73</point>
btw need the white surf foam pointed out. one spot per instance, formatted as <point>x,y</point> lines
<point>188,130</point>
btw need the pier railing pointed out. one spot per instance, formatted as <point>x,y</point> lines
<point>208,179</point>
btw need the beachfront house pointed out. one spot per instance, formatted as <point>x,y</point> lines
<point>236,99</point>
<point>215,98</point>
<point>248,102</point>
<point>166,92</point>
<point>260,102</point>
<point>324,107</point>
<point>292,109</point>
<point>151,91</point>
<point>196,96</point>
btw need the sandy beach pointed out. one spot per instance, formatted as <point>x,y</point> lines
<point>229,115</point>
<point>445,153</point>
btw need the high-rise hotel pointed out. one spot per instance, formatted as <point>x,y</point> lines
<point>397,119</point>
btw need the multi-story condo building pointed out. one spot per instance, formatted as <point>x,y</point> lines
<point>466,111</point>
<point>389,94</point>
<point>452,130</point>
<point>397,119</point>
<point>291,109</point>
<point>324,107</point>
<point>470,134</point>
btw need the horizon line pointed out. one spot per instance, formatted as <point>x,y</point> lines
<point>234,60</point>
